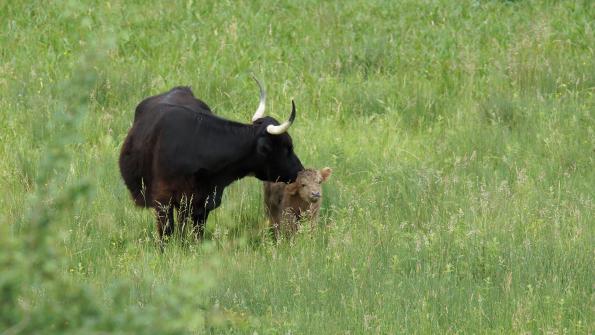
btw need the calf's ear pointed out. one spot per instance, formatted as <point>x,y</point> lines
<point>263,146</point>
<point>291,189</point>
<point>326,173</point>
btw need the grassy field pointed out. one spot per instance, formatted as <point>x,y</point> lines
<point>461,134</point>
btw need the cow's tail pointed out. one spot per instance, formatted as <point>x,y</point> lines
<point>131,168</point>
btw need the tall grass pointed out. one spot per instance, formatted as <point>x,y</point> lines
<point>461,135</point>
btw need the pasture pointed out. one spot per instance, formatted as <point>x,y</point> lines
<point>461,135</point>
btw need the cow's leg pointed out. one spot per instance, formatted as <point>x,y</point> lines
<point>165,220</point>
<point>184,209</point>
<point>199,220</point>
<point>182,217</point>
<point>164,208</point>
<point>169,227</point>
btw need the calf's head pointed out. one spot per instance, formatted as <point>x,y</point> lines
<point>276,160</point>
<point>308,184</point>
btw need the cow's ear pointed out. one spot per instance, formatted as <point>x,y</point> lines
<point>291,189</point>
<point>326,173</point>
<point>263,146</point>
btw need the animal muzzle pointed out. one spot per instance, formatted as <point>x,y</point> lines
<point>315,196</point>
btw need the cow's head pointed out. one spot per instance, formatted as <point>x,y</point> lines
<point>274,147</point>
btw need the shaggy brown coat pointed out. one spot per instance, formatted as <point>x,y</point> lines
<point>287,204</point>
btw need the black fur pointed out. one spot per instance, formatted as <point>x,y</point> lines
<point>178,149</point>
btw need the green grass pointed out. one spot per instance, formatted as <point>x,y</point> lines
<point>461,135</point>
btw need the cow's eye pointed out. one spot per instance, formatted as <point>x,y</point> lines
<point>303,185</point>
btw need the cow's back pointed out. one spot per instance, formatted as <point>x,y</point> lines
<point>180,96</point>
<point>136,155</point>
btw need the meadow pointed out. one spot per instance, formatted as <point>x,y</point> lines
<point>461,135</point>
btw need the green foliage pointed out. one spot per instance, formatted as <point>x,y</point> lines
<point>461,135</point>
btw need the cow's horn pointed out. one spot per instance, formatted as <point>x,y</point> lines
<point>280,129</point>
<point>261,105</point>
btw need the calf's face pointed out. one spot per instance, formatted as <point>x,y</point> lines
<point>308,184</point>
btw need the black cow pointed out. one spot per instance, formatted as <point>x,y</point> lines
<point>178,149</point>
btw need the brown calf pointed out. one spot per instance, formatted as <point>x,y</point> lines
<point>287,204</point>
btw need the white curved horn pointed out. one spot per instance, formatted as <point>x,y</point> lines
<point>280,129</point>
<point>261,105</point>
